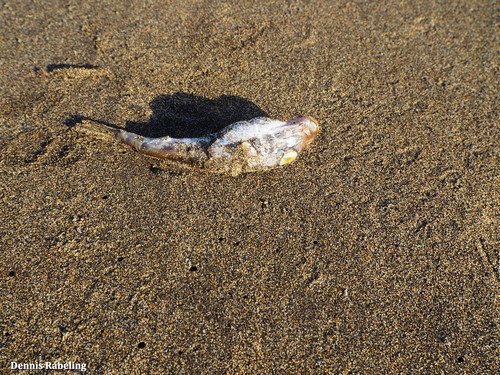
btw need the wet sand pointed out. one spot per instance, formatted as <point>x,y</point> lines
<point>377,251</point>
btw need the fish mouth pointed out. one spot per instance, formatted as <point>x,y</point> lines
<point>312,124</point>
<point>309,126</point>
<point>308,122</point>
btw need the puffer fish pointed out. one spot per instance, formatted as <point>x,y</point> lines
<point>246,146</point>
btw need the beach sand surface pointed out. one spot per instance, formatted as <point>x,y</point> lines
<point>376,251</point>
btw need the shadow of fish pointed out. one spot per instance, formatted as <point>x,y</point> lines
<point>245,146</point>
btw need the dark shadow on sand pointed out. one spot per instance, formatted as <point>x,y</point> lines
<point>186,115</point>
<point>51,67</point>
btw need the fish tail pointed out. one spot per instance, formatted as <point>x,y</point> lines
<point>98,129</point>
<point>185,150</point>
<point>104,131</point>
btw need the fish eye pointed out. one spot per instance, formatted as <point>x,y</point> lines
<point>288,157</point>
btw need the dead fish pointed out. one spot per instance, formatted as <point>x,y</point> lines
<point>246,146</point>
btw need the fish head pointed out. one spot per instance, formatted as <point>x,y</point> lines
<point>294,136</point>
<point>263,143</point>
<point>305,129</point>
<point>279,143</point>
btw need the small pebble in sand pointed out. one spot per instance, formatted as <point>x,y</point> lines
<point>245,146</point>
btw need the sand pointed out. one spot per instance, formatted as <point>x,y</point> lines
<point>377,251</point>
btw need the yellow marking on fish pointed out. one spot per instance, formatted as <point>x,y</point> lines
<point>288,157</point>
